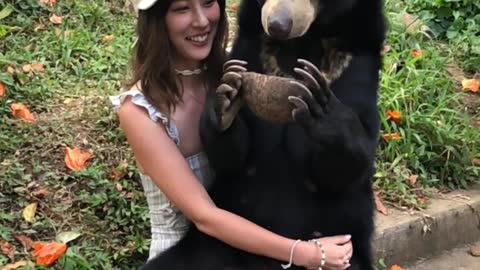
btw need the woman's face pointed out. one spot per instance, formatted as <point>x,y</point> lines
<point>191,27</point>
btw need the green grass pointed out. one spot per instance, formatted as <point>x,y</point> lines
<point>438,140</point>
<point>70,100</point>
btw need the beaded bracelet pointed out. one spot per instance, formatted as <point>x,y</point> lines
<point>324,255</point>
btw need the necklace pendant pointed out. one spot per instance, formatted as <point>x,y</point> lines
<point>188,72</point>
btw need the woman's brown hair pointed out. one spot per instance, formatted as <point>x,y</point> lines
<point>152,64</point>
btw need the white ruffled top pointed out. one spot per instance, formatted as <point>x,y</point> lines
<point>168,225</point>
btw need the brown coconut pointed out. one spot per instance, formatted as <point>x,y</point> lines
<point>267,96</point>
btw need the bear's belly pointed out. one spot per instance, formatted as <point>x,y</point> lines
<point>276,194</point>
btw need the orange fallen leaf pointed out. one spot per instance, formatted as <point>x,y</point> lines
<point>24,240</point>
<point>22,111</point>
<point>2,89</point>
<point>75,158</point>
<point>391,136</point>
<point>41,193</point>
<point>56,19</point>
<point>7,249</point>
<point>119,172</point>
<point>116,174</point>
<point>48,2</point>
<point>418,52</point>
<point>379,204</point>
<point>13,266</point>
<point>48,253</point>
<point>476,161</point>
<point>412,180</point>
<point>422,200</point>
<point>396,116</point>
<point>471,85</point>
<point>38,67</point>
<point>33,67</point>
<point>395,267</point>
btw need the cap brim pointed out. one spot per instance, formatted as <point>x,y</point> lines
<point>145,4</point>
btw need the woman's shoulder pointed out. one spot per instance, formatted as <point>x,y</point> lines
<point>134,95</point>
<point>131,104</point>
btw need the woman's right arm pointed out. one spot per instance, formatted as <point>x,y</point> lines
<point>168,169</point>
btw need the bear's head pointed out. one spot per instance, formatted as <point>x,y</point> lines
<point>286,19</point>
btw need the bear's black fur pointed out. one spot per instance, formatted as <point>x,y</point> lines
<point>293,180</point>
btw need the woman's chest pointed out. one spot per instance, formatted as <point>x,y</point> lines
<point>187,120</point>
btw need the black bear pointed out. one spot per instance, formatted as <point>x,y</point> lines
<point>313,175</point>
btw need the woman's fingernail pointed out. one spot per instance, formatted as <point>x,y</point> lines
<point>348,236</point>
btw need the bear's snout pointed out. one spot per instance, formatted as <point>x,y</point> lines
<point>280,25</point>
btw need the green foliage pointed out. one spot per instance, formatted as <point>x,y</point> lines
<point>70,100</point>
<point>455,20</point>
<point>25,10</point>
<point>438,141</point>
<point>447,17</point>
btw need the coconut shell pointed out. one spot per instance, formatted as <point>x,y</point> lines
<point>267,96</point>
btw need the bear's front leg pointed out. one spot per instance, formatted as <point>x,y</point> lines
<point>336,135</point>
<point>223,132</point>
<point>195,250</point>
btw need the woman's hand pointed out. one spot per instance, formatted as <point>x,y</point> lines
<point>338,251</point>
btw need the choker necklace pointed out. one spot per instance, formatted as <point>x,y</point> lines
<point>188,72</point>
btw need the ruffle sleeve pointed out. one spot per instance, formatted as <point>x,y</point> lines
<point>139,99</point>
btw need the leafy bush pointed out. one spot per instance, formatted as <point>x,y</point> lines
<point>448,18</point>
<point>25,9</point>
<point>455,20</point>
<point>436,141</point>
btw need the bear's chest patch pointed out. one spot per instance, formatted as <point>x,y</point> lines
<point>279,58</point>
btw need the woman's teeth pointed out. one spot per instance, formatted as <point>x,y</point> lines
<point>202,38</point>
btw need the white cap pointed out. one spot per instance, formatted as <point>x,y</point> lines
<point>145,4</point>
